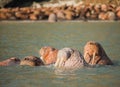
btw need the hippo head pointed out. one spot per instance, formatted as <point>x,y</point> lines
<point>11,61</point>
<point>31,61</point>
<point>48,54</point>
<point>95,54</point>
<point>68,58</point>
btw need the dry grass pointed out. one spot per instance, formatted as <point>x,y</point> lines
<point>116,2</point>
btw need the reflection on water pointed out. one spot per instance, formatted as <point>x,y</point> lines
<point>22,39</point>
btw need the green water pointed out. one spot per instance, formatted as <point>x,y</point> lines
<point>22,39</point>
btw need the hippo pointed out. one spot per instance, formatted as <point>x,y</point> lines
<point>31,61</point>
<point>48,54</point>
<point>94,54</point>
<point>68,58</point>
<point>10,62</point>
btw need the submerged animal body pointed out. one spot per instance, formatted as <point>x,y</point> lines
<point>10,62</point>
<point>31,61</point>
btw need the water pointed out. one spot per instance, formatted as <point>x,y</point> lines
<point>26,38</point>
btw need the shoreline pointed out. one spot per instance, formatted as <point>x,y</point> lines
<point>46,21</point>
<point>80,12</point>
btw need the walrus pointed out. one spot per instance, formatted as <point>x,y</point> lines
<point>95,54</point>
<point>31,61</point>
<point>48,54</point>
<point>68,58</point>
<point>10,62</point>
<point>52,17</point>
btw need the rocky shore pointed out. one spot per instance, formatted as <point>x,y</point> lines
<point>54,12</point>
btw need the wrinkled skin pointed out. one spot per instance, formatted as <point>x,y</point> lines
<point>95,54</point>
<point>68,58</point>
<point>48,55</point>
<point>31,61</point>
<point>10,62</point>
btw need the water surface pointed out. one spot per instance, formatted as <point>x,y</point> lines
<point>26,38</point>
